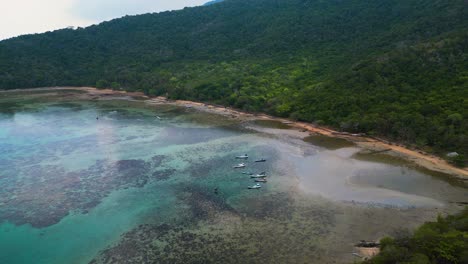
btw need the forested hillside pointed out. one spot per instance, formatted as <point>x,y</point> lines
<point>212,2</point>
<point>392,68</point>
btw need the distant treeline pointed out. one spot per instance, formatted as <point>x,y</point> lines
<point>397,69</point>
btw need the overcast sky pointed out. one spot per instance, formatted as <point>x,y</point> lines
<point>18,17</point>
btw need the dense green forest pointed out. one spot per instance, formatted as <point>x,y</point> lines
<point>443,241</point>
<point>391,68</point>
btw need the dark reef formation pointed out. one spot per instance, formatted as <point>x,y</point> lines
<point>46,194</point>
<point>289,235</point>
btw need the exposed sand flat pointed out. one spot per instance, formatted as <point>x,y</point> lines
<point>324,192</point>
<point>425,160</point>
<point>420,158</point>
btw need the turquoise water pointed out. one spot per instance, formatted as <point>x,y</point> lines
<point>47,153</point>
<point>115,181</point>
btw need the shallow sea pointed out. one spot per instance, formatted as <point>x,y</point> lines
<point>121,181</point>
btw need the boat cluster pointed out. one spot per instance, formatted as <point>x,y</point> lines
<point>258,177</point>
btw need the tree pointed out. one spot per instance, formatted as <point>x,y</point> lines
<point>101,84</point>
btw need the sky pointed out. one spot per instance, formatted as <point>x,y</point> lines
<point>18,17</point>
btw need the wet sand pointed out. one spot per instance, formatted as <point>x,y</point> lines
<point>320,200</point>
<point>422,159</point>
<point>369,145</point>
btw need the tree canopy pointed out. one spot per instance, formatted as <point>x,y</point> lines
<point>442,241</point>
<point>392,68</point>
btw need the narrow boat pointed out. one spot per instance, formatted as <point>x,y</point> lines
<point>257,176</point>
<point>260,175</point>
<point>261,160</point>
<point>239,166</point>
<point>261,180</point>
<point>242,157</point>
<point>256,186</point>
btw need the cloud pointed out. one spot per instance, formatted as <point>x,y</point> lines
<point>107,9</point>
<point>18,17</point>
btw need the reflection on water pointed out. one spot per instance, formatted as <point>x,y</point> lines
<point>117,181</point>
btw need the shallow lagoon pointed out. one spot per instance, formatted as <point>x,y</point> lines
<point>129,187</point>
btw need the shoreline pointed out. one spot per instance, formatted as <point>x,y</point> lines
<point>425,160</point>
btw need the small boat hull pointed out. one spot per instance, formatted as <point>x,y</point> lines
<point>257,176</point>
<point>255,187</point>
<point>239,166</point>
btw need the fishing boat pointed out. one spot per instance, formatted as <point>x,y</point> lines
<point>261,180</point>
<point>245,156</point>
<point>256,186</point>
<point>260,175</point>
<point>261,160</point>
<point>239,166</point>
<point>247,173</point>
<point>257,176</point>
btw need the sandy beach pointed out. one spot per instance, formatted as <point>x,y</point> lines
<point>368,144</point>
<point>149,161</point>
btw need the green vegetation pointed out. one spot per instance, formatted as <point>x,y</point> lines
<point>444,241</point>
<point>396,69</point>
